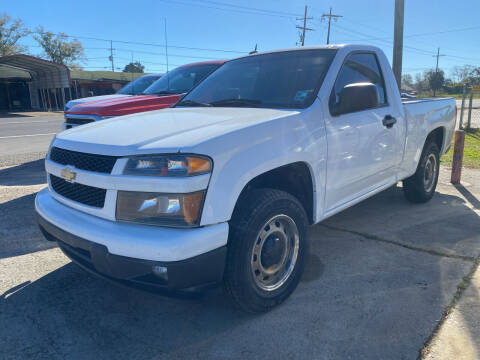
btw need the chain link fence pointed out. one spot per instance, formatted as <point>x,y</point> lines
<point>468,115</point>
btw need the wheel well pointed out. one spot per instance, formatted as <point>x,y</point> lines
<point>436,136</point>
<point>294,179</point>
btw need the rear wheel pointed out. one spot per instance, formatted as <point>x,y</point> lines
<point>420,187</point>
<point>266,251</point>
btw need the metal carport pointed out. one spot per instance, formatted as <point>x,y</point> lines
<point>49,80</point>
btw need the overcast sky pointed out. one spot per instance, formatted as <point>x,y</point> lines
<point>214,25</point>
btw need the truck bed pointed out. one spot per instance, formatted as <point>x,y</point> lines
<point>423,100</point>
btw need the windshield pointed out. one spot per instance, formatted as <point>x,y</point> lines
<point>181,79</point>
<point>288,79</point>
<point>137,86</point>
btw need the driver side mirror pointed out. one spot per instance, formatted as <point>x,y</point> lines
<point>355,97</point>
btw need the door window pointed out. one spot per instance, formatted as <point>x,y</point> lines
<point>359,68</point>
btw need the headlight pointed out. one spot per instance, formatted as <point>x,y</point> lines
<point>178,210</point>
<point>168,165</point>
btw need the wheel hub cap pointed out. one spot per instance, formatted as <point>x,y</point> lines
<point>430,173</point>
<point>275,252</point>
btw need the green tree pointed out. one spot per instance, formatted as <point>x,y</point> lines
<point>58,49</point>
<point>436,79</point>
<point>134,67</point>
<point>10,32</point>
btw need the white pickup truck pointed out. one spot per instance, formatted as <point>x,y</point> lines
<point>223,187</point>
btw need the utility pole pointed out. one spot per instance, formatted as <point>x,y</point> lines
<point>398,41</point>
<point>304,27</point>
<point>436,67</point>
<point>330,16</point>
<point>437,56</point>
<point>111,54</point>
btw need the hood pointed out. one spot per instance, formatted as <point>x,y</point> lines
<point>72,103</point>
<point>169,130</point>
<point>124,105</point>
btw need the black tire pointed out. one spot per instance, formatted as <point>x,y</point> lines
<point>414,187</point>
<point>253,212</point>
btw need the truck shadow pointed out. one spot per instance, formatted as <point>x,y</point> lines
<point>30,173</point>
<point>19,233</point>
<point>359,298</point>
<point>8,115</point>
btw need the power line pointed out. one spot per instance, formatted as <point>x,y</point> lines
<point>250,8</point>
<point>249,11</point>
<point>412,49</point>
<point>330,16</point>
<point>304,27</point>
<point>385,42</point>
<point>418,41</point>
<point>429,33</point>
<point>156,44</point>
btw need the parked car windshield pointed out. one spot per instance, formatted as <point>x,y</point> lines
<point>138,85</point>
<point>181,79</point>
<point>288,79</point>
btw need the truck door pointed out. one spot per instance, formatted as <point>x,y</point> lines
<point>365,144</point>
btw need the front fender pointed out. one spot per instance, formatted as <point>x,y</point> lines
<point>259,149</point>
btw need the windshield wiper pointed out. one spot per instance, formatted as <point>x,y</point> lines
<point>192,103</point>
<point>164,93</point>
<point>237,102</point>
<point>159,93</point>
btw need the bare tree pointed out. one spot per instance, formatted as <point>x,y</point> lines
<point>10,32</point>
<point>421,83</point>
<point>461,73</point>
<point>407,80</point>
<point>57,48</point>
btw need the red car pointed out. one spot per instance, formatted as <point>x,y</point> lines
<point>163,93</point>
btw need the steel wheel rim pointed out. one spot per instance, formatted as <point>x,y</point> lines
<point>275,252</point>
<point>430,173</point>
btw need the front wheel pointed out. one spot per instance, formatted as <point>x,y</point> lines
<point>266,250</point>
<point>420,187</point>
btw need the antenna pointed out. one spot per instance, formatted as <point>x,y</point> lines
<point>166,52</point>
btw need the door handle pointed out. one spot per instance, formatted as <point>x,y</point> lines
<point>388,121</point>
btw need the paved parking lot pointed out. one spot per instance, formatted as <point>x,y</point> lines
<point>379,278</point>
<point>26,136</point>
<point>384,279</point>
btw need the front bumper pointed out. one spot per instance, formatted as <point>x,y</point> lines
<point>133,265</point>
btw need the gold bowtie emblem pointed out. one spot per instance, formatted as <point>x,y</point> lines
<point>68,174</point>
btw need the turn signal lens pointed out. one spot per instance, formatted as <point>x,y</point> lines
<point>167,166</point>
<point>198,165</point>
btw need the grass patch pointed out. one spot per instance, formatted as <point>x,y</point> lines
<point>471,151</point>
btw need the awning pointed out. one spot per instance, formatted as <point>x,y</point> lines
<point>45,74</point>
